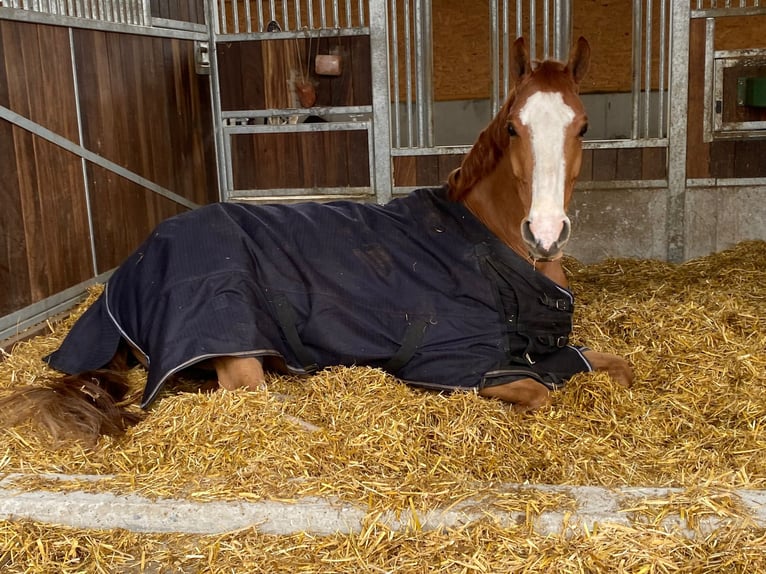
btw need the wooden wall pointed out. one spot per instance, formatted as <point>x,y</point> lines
<point>143,107</point>
<point>461,43</point>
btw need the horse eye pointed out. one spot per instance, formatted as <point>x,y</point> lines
<point>584,130</point>
<point>511,130</point>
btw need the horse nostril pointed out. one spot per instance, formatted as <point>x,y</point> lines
<point>526,233</point>
<point>566,229</point>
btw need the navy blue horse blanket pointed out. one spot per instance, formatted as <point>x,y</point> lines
<point>418,287</point>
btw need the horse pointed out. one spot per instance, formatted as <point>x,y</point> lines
<point>449,288</point>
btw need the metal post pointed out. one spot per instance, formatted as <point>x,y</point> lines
<point>215,95</point>
<point>381,175</point>
<point>679,95</point>
<point>494,46</point>
<point>562,28</point>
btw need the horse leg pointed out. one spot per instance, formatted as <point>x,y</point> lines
<point>236,372</point>
<point>524,394</point>
<point>618,368</point>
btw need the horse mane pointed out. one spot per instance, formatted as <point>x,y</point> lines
<point>493,140</point>
<point>74,407</point>
<point>484,156</point>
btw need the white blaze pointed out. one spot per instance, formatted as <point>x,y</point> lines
<point>546,116</point>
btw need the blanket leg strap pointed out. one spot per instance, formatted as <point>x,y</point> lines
<point>288,318</point>
<point>413,336</point>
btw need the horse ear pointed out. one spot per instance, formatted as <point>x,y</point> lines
<point>519,65</point>
<point>579,60</point>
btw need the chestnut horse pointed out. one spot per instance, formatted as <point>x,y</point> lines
<point>514,185</point>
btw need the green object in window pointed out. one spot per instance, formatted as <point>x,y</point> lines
<point>751,92</point>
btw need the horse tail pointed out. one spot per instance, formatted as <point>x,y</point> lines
<point>74,407</point>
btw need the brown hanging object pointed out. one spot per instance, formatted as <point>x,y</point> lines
<point>307,94</point>
<point>329,64</point>
<point>304,87</point>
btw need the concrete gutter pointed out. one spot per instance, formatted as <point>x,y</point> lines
<point>322,516</point>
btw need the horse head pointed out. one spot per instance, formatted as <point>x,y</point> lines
<point>519,176</point>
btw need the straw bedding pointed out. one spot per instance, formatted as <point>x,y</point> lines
<point>695,418</point>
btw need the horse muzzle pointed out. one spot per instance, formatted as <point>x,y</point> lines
<point>545,239</point>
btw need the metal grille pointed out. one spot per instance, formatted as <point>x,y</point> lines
<point>713,4</point>
<point>650,80</point>
<point>136,12</point>
<point>547,25</point>
<point>253,16</point>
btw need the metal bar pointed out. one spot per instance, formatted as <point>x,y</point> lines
<point>297,128</point>
<point>558,26</point>
<point>661,71</point>
<point>506,48</point>
<point>362,19</point>
<point>278,112</point>
<point>532,27</point>
<point>707,118</point>
<point>224,27</point>
<point>275,195</point>
<point>92,24</point>
<point>261,27</point>
<point>248,16</point>
<point>408,72</point>
<point>215,96</point>
<point>285,16</point>
<point>395,65</point>
<point>677,130</point>
<point>420,96</point>
<point>335,14</point>
<point>546,29</point>
<point>349,19</point>
<point>93,157</point>
<point>625,143</point>
<point>428,71</point>
<point>310,9</point>
<point>381,172</point>
<point>83,164</point>
<point>235,13</point>
<point>721,12</point>
<point>494,46</point>
<point>298,21</point>
<point>322,14</point>
<point>648,68</point>
<point>18,321</point>
<point>637,61</point>
<point>316,33</point>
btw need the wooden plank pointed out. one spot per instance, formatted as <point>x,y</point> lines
<point>128,73</point>
<point>629,164</point>
<point>49,184</point>
<point>721,160</point>
<point>361,72</point>
<point>447,164</point>
<point>404,171</point>
<point>697,151</point>
<point>604,164</point>
<point>64,213</point>
<point>586,167</point>
<point>750,158</point>
<point>250,74</point>
<point>14,270</point>
<point>230,76</point>
<point>654,163</point>
<point>357,159</point>
<point>427,170</point>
